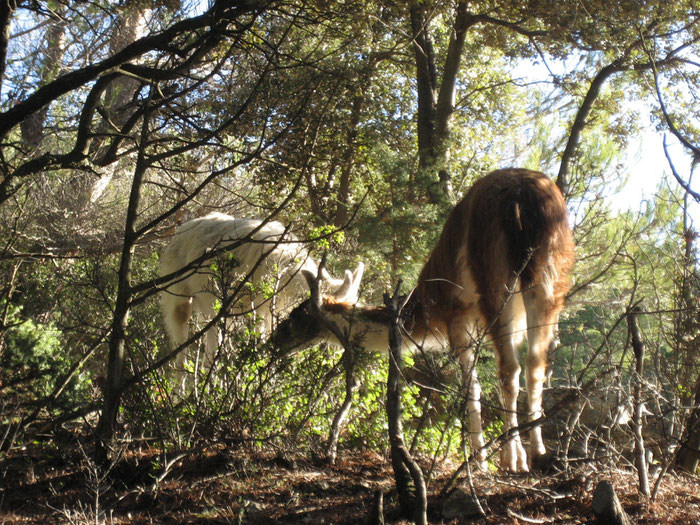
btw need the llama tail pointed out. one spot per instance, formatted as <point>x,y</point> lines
<point>536,222</point>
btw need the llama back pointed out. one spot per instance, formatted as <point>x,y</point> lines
<point>511,222</point>
<point>530,211</point>
<point>519,216</point>
<point>274,256</point>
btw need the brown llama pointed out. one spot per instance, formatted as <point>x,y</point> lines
<point>501,268</point>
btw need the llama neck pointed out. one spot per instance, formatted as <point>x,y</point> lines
<point>368,326</point>
<point>423,324</point>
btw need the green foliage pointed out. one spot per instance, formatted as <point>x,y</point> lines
<point>28,348</point>
<point>314,105</point>
<point>394,229</point>
<point>33,360</point>
<point>325,236</point>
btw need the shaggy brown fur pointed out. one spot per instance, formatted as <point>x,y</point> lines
<point>500,268</point>
<point>513,219</point>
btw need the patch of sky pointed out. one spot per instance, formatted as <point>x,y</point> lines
<point>643,166</point>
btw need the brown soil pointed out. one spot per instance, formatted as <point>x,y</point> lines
<point>48,483</point>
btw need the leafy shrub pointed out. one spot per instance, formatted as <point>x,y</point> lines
<point>33,360</point>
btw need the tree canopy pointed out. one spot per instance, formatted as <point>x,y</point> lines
<point>359,124</point>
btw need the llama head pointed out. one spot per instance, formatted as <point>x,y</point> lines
<point>302,327</point>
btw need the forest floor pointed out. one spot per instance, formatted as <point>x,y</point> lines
<point>48,483</point>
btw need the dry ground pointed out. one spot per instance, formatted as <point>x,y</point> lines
<point>48,483</point>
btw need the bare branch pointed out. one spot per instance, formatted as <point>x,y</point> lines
<point>216,19</point>
<point>580,122</point>
<point>683,184</point>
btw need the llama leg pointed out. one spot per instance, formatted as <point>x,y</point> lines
<point>542,317</point>
<point>462,346</point>
<point>470,381</point>
<point>205,304</point>
<point>506,334</point>
<point>177,311</point>
<point>513,456</point>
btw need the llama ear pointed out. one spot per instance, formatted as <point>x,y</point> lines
<point>348,291</point>
<point>354,292</point>
<point>310,278</point>
<point>341,292</point>
<point>332,281</point>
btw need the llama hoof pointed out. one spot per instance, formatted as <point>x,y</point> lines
<point>514,458</point>
<point>521,458</point>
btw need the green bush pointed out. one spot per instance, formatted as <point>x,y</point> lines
<point>33,360</point>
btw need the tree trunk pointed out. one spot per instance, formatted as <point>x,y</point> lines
<point>410,483</point>
<point>341,415</point>
<point>120,319</point>
<point>426,85</point>
<point>376,512</point>
<point>7,8</point>
<point>639,451</point>
<point>688,456</point>
<point>436,102</point>
<point>686,322</point>
<point>579,123</point>
<point>129,26</point>
<point>342,211</point>
<point>348,362</point>
<point>607,507</point>
<point>445,105</point>
<point>32,127</point>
